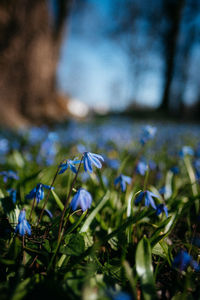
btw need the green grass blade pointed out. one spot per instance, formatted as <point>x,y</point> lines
<point>58,201</point>
<point>91,217</point>
<point>144,269</point>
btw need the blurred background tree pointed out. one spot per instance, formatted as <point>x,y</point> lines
<point>30,39</point>
<point>168,29</point>
<point>123,55</point>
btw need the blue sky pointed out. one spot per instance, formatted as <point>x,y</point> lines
<point>96,70</point>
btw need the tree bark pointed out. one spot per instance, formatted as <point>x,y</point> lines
<point>29,52</point>
<point>173,10</point>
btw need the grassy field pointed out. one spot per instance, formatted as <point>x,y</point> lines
<point>100,211</point>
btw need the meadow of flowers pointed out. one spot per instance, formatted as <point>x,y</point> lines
<point>100,211</point>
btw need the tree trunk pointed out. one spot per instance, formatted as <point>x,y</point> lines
<point>29,52</point>
<point>173,10</point>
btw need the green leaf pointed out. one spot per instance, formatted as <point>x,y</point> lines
<point>21,290</point>
<point>101,180</point>
<point>8,262</point>
<point>127,223</point>
<point>144,269</point>
<point>15,248</point>
<point>157,232</point>
<point>47,246</point>
<point>17,159</point>
<point>91,217</point>
<point>75,224</point>
<point>75,246</point>
<point>58,201</point>
<point>191,174</point>
<point>129,276</point>
<point>13,216</point>
<point>168,184</point>
<point>1,194</point>
<point>158,250</point>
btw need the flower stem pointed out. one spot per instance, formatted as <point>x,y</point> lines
<point>24,253</point>
<point>33,204</point>
<point>137,159</point>
<point>67,200</point>
<point>46,200</point>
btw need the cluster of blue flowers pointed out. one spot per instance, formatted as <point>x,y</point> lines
<point>148,200</point>
<point>83,199</point>
<point>69,164</point>
<point>147,134</point>
<point>9,175</point>
<point>122,180</point>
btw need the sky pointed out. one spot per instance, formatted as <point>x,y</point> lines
<point>95,69</point>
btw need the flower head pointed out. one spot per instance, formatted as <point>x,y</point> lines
<point>38,192</point>
<point>183,260</point>
<point>121,296</point>
<point>48,149</point>
<point>90,159</point>
<point>113,163</point>
<point>161,208</point>
<point>186,150</point>
<point>122,180</point>
<point>9,175</point>
<point>23,225</point>
<point>148,133</point>
<point>148,198</point>
<point>175,170</point>
<point>82,199</point>
<point>197,168</point>
<point>162,190</point>
<point>152,164</point>
<point>141,168</point>
<point>69,164</point>
<point>13,195</point>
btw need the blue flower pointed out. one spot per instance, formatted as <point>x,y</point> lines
<point>122,180</point>
<point>69,164</point>
<point>82,199</point>
<point>23,225</point>
<point>148,133</point>
<point>9,175</point>
<point>4,146</point>
<point>186,150</point>
<point>48,149</point>
<point>38,192</point>
<point>152,165</point>
<point>162,190</point>
<point>183,260</point>
<point>197,168</point>
<point>90,159</point>
<point>113,163</point>
<point>175,170</point>
<point>81,148</point>
<point>13,195</point>
<point>161,208</point>
<point>122,296</point>
<point>141,168</point>
<point>22,216</point>
<point>147,195</point>
<point>197,152</point>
